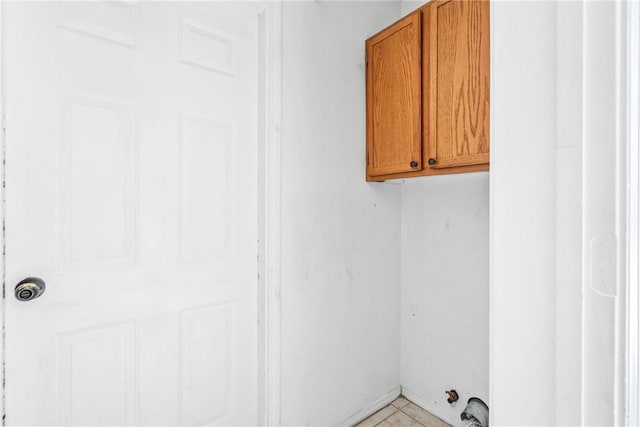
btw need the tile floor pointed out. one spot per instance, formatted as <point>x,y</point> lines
<point>402,413</point>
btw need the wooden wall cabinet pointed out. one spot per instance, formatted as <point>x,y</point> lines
<point>428,92</point>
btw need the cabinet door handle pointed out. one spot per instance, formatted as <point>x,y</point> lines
<point>413,164</point>
<point>432,161</point>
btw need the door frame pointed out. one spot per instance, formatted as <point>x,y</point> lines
<point>632,361</point>
<point>570,61</point>
<point>269,16</point>
<point>269,212</point>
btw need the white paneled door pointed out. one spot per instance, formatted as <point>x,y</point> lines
<point>131,190</point>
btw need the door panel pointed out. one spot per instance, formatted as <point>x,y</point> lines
<point>131,190</point>
<point>96,375</point>
<point>393,99</point>
<point>460,44</point>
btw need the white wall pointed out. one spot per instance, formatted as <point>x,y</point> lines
<point>556,215</point>
<point>523,212</point>
<point>341,236</point>
<point>445,291</point>
<point>408,6</point>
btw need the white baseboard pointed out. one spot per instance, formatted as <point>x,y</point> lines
<point>424,404</point>
<point>371,408</point>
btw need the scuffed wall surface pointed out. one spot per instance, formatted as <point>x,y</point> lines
<point>341,236</point>
<point>445,291</point>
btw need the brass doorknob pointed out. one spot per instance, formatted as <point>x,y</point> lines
<point>29,289</point>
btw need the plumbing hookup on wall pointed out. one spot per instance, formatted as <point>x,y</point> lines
<point>476,414</point>
<point>445,291</point>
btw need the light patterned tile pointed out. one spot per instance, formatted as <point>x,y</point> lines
<point>378,416</point>
<point>399,419</point>
<point>423,416</point>
<point>400,402</point>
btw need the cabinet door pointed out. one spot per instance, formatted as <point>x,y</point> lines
<point>458,83</point>
<point>394,99</point>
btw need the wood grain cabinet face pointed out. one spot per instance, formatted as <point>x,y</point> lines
<point>394,98</point>
<point>453,93</point>
<point>460,73</point>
